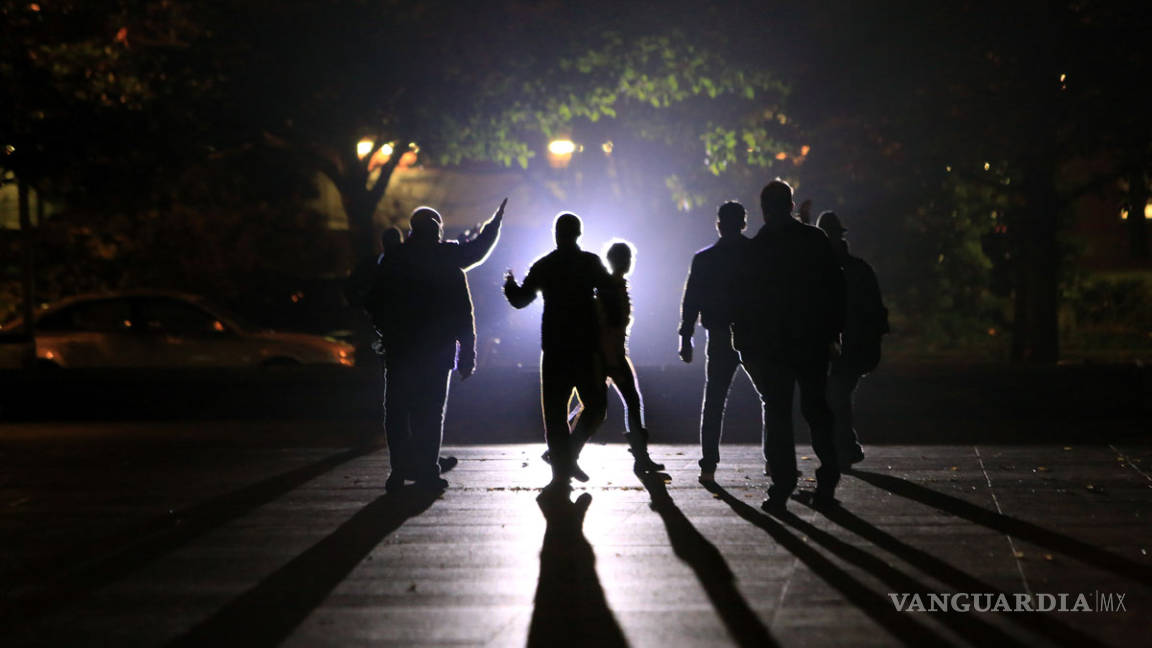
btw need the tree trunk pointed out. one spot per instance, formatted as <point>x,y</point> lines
<point>360,203</point>
<point>1137,226</point>
<point>28,288</point>
<point>1035,331</point>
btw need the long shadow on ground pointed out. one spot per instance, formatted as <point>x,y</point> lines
<point>116,557</point>
<point>743,625</point>
<point>902,625</point>
<point>570,608</point>
<point>266,614</point>
<point>1044,624</point>
<point>1071,547</point>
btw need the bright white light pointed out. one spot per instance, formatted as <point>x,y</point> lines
<point>364,147</point>
<point>561,147</point>
<point>386,150</point>
<point>606,147</point>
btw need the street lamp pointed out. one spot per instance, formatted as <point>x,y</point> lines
<point>560,152</point>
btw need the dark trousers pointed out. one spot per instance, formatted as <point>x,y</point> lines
<point>841,387</point>
<point>623,377</point>
<point>719,368</point>
<point>414,399</point>
<point>561,372</point>
<point>775,380</point>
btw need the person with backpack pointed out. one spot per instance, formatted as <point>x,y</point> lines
<point>865,323</point>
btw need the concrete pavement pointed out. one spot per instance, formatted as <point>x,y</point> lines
<point>262,545</point>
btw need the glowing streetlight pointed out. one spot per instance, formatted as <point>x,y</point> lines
<point>560,152</point>
<point>561,147</point>
<point>364,147</point>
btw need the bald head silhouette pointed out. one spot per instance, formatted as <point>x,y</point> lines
<point>568,230</point>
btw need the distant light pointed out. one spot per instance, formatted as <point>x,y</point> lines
<point>51,355</point>
<point>218,326</point>
<point>9,149</point>
<point>1062,77</point>
<point>364,147</point>
<point>127,323</point>
<point>413,147</point>
<point>561,147</point>
<point>804,149</point>
<point>34,7</point>
<point>987,165</point>
<point>991,331</point>
<point>948,169</point>
<point>606,147</point>
<point>1148,211</point>
<point>781,156</point>
<point>1123,214</point>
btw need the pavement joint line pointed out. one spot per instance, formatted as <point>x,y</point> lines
<point>1011,543</point>
<point>1128,462</point>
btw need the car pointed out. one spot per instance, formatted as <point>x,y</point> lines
<point>166,330</point>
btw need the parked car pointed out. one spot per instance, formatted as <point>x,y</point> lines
<point>166,329</point>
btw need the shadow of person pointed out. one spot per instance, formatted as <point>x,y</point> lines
<point>743,625</point>
<point>268,613</point>
<point>966,625</point>
<point>570,608</point>
<point>901,625</point>
<point>108,561</point>
<point>1016,528</point>
<point>1044,624</point>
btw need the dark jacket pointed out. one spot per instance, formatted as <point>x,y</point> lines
<point>789,294</point>
<point>568,278</point>
<point>422,307</point>
<point>865,317</point>
<point>708,290</point>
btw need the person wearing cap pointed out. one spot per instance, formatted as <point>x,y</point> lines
<point>787,322</point>
<point>865,323</point>
<point>708,294</point>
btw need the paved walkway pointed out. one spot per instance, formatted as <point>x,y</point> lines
<point>303,547</point>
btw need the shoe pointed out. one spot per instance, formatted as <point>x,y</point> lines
<point>775,505</point>
<point>578,473</point>
<point>823,498</point>
<point>638,446</point>
<point>853,456</point>
<point>707,476</point>
<point>431,484</point>
<point>447,463</point>
<point>394,483</point>
<point>644,464</point>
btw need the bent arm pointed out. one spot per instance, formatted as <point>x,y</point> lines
<point>520,295</point>
<point>472,253</point>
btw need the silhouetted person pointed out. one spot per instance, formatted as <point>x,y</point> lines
<point>360,282</point>
<point>788,319</point>
<point>467,254</point>
<point>615,320</point>
<point>708,296</point>
<point>805,212</point>
<point>568,278</point>
<point>865,323</point>
<point>423,311</point>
